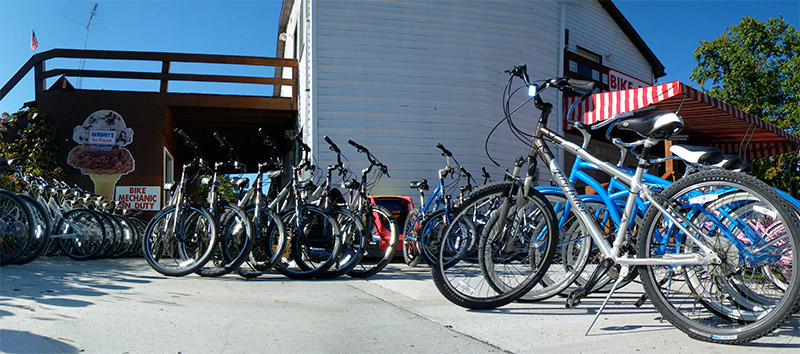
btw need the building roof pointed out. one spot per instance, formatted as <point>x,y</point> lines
<point>608,5</point>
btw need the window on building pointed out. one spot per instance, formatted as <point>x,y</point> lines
<point>169,172</point>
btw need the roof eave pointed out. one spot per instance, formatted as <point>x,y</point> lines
<point>627,28</point>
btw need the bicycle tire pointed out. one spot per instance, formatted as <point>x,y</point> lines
<point>16,231</point>
<point>353,244</point>
<point>181,253</point>
<point>460,244</point>
<point>411,250</point>
<point>113,235</point>
<point>42,230</point>
<point>464,283</point>
<point>313,256</point>
<point>269,243</point>
<point>572,253</point>
<point>696,309</point>
<point>384,233</point>
<point>86,233</point>
<point>234,235</point>
<point>129,236</point>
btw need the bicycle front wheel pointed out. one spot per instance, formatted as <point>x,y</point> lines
<point>81,234</point>
<point>353,244</point>
<point>314,245</point>
<point>752,231</point>
<point>179,249</point>
<point>411,250</point>
<point>16,227</point>
<point>514,252</point>
<point>235,241</point>
<point>382,226</point>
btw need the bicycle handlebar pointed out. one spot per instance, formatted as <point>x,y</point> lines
<point>445,152</point>
<point>334,148</point>
<point>188,141</point>
<point>224,143</point>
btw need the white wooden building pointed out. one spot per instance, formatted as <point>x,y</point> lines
<point>401,76</point>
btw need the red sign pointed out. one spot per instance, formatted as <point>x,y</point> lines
<point>621,81</point>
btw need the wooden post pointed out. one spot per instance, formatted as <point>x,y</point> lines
<point>669,174</point>
<point>164,81</point>
<point>296,85</point>
<point>39,79</point>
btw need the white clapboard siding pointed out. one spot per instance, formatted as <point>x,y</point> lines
<point>401,76</point>
<point>591,27</point>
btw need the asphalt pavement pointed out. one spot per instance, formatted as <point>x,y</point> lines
<point>56,305</point>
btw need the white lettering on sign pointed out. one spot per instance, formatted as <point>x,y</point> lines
<point>102,137</point>
<point>622,81</point>
<point>140,197</point>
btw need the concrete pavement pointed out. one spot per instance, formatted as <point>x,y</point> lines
<point>122,306</point>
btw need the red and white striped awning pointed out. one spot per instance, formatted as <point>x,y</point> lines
<point>708,121</point>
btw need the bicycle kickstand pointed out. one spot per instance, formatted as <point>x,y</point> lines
<point>574,298</point>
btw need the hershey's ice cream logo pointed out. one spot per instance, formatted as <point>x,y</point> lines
<point>102,139</point>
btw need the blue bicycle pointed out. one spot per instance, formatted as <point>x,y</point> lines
<point>432,213</point>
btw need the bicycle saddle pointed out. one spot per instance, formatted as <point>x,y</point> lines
<point>351,184</point>
<point>697,154</point>
<point>307,184</point>
<point>423,184</point>
<point>658,125</point>
<point>730,162</point>
<point>241,182</point>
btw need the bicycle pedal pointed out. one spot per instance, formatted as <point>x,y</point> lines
<point>641,301</point>
<point>574,298</point>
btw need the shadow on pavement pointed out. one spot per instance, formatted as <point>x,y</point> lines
<point>25,342</point>
<point>56,281</point>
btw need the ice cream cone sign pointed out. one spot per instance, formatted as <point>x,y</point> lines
<point>100,153</point>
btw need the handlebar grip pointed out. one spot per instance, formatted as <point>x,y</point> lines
<point>189,142</point>
<point>357,146</point>
<point>464,171</point>
<point>303,146</point>
<point>224,142</point>
<point>445,152</point>
<point>267,140</point>
<point>333,146</point>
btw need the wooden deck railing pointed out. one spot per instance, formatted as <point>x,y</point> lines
<point>38,63</point>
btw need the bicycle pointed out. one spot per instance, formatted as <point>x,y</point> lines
<point>313,235</point>
<point>438,204</point>
<point>181,237</point>
<point>269,239</point>
<point>379,222</point>
<point>692,270</point>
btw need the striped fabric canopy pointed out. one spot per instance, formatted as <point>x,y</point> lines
<point>708,121</point>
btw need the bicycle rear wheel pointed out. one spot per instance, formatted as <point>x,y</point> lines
<point>382,226</point>
<point>512,256</point>
<point>752,230</point>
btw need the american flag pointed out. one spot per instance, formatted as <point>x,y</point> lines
<point>34,42</point>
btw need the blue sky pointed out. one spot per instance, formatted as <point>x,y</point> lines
<point>672,29</point>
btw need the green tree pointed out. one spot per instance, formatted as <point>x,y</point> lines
<point>755,66</point>
<point>31,135</point>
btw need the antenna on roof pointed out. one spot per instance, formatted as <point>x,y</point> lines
<point>81,17</point>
